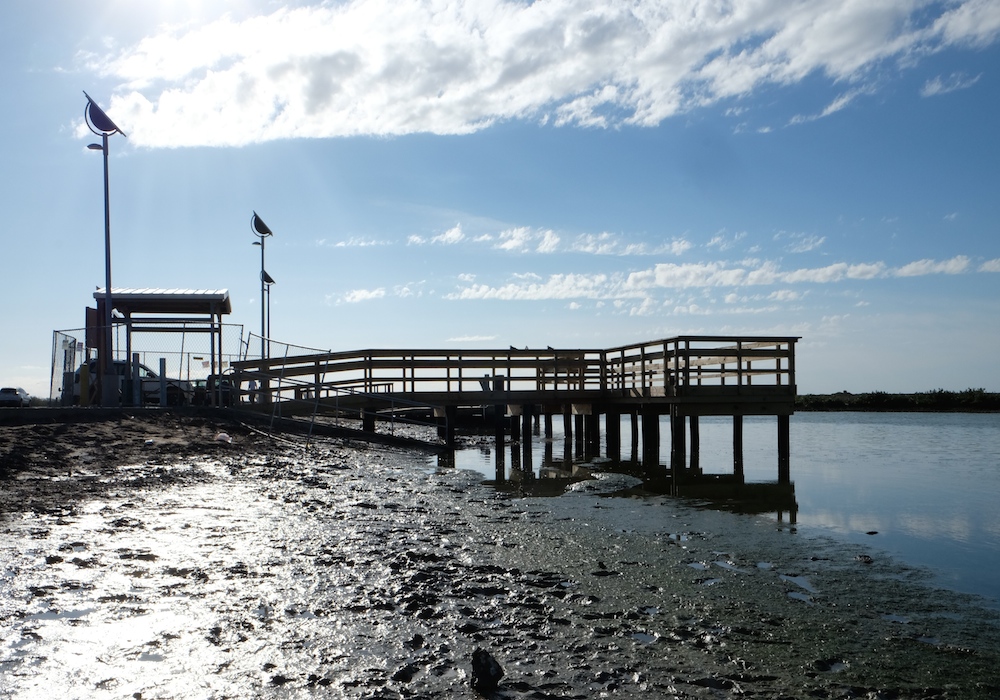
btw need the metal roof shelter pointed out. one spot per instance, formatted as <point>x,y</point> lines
<point>171,311</point>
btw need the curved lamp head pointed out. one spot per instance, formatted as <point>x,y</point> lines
<point>97,121</point>
<point>259,227</point>
<point>266,278</point>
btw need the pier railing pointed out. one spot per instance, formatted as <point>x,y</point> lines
<point>673,367</point>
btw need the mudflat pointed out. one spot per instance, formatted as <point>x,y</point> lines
<point>176,556</point>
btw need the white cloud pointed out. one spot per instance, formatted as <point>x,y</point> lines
<point>450,237</point>
<point>724,241</point>
<point>943,85</point>
<point>471,339</point>
<point>549,242</point>
<point>391,67</point>
<point>353,242</point>
<point>801,242</point>
<point>785,295</point>
<point>516,239</point>
<point>358,295</point>
<point>560,286</point>
<point>642,284</point>
<point>956,265</point>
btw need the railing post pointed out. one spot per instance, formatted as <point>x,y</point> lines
<point>739,365</point>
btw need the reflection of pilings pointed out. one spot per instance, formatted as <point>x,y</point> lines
<point>446,459</point>
<point>738,448</point>
<point>501,462</point>
<point>784,450</point>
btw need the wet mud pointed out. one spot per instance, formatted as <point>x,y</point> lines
<point>146,558</point>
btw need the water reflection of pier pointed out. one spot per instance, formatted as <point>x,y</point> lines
<point>556,473</point>
<point>682,378</point>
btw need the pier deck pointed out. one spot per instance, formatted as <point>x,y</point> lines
<point>684,377</point>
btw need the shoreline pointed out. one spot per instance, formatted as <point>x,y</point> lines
<point>353,568</point>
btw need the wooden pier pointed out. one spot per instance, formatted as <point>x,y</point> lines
<point>684,377</point>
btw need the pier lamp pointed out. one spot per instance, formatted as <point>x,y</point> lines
<point>268,281</point>
<point>101,124</point>
<point>261,230</point>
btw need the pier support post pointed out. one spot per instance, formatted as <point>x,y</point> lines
<point>634,425</point>
<point>548,425</point>
<point>592,435</point>
<point>527,411</point>
<point>368,420</point>
<point>678,446</point>
<point>650,437</point>
<point>613,434</point>
<point>695,444</point>
<point>499,414</point>
<point>784,451</point>
<point>450,419</point>
<point>578,434</point>
<point>527,414</point>
<point>567,436</point>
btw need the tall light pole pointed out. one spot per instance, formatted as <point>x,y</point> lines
<point>260,229</point>
<point>101,124</point>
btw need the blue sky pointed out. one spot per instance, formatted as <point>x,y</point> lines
<point>573,173</point>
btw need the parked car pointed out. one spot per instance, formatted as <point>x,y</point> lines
<point>179,391</point>
<point>14,396</point>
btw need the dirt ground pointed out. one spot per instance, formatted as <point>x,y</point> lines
<point>173,556</point>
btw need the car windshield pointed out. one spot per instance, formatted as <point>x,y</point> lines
<point>8,390</point>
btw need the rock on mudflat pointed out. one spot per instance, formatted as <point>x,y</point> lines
<point>486,672</point>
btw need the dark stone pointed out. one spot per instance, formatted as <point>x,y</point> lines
<point>486,672</point>
<point>406,673</point>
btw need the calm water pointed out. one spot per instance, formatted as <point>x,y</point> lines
<point>927,484</point>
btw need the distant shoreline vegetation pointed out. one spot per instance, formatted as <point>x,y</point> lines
<point>970,400</point>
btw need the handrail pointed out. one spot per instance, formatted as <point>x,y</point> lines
<point>667,367</point>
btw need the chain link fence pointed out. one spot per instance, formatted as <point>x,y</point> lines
<point>186,354</point>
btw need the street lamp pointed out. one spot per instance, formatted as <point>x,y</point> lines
<point>260,229</point>
<point>101,124</point>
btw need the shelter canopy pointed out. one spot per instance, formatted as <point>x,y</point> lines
<point>131,302</point>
